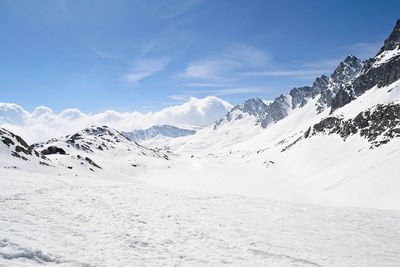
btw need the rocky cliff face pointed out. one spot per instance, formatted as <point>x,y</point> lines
<point>380,71</point>
<point>393,41</point>
<point>378,125</point>
<point>300,95</point>
<point>346,71</point>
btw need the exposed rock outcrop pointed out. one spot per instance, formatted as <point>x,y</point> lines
<point>379,71</point>
<point>378,125</point>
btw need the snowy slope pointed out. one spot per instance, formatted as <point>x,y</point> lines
<point>72,221</point>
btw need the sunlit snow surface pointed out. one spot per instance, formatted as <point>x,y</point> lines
<point>233,196</point>
<point>74,221</point>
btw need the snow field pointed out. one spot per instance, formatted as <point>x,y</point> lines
<point>71,221</point>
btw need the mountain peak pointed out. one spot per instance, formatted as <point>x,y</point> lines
<point>252,106</point>
<point>350,58</point>
<point>393,41</point>
<point>254,100</point>
<point>347,69</point>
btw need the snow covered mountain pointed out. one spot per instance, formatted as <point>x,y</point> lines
<point>157,131</point>
<point>99,147</point>
<point>378,117</point>
<point>100,138</point>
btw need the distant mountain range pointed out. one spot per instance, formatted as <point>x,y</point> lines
<point>157,131</point>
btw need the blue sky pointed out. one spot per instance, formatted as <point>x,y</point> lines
<point>144,55</point>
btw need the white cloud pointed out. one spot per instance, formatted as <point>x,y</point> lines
<point>43,124</point>
<point>72,114</point>
<point>195,111</point>
<point>143,68</point>
<point>12,113</point>
<point>42,112</point>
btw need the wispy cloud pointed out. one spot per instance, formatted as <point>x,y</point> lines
<point>168,9</point>
<point>223,66</point>
<point>180,97</point>
<point>227,91</point>
<point>287,72</point>
<point>210,69</point>
<point>104,55</point>
<point>365,50</point>
<point>171,39</point>
<point>143,68</point>
<point>149,46</point>
<point>205,85</point>
<point>249,55</point>
<point>325,63</point>
<point>187,94</point>
<point>100,53</point>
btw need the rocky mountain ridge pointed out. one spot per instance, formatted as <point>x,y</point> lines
<point>323,87</point>
<point>380,71</point>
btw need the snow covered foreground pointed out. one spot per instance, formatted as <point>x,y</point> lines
<point>77,221</point>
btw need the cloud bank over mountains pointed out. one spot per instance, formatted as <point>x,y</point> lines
<point>43,123</point>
